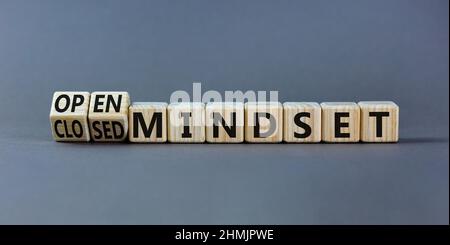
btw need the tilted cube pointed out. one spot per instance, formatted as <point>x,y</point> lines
<point>69,116</point>
<point>108,116</point>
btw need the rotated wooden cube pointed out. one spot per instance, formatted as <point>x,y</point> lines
<point>69,116</point>
<point>340,122</point>
<point>302,122</point>
<point>225,122</point>
<point>108,116</point>
<point>186,122</point>
<point>379,121</point>
<point>264,122</point>
<point>147,122</point>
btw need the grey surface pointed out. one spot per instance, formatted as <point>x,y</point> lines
<point>308,50</point>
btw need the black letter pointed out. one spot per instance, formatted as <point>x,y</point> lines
<point>77,103</point>
<point>106,129</point>
<point>186,133</point>
<point>62,96</point>
<point>116,135</point>
<point>97,130</point>
<point>68,135</point>
<point>138,118</point>
<point>97,102</point>
<point>110,100</point>
<point>306,127</point>
<point>231,130</point>
<point>56,129</point>
<point>379,121</point>
<point>338,125</point>
<point>256,128</point>
<point>74,131</point>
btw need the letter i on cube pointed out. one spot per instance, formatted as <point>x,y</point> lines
<point>186,122</point>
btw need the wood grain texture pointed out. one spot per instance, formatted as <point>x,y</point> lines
<point>108,116</point>
<point>309,113</point>
<point>151,116</point>
<point>269,132</point>
<point>226,111</point>
<point>186,122</point>
<point>379,121</point>
<point>349,121</point>
<point>69,116</point>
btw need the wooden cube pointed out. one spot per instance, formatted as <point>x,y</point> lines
<point>340,122</point>
<point>69,116</point>
<point>108,116</point>
<point>302,122</point>
<point>379,121</point>
<point>147,122</point>
<point>186,122</point>
<point>264,122</point>
<point>225,122</point>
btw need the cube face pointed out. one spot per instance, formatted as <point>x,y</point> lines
<point>379,121</point>
<point>263,122</point>
<point>69,116</point>
<point>225,122</point>
<point>108,116</point>
<point>147,122</point>
<point>340,122</point>
<point>302,122</point>
<point>186,122</point>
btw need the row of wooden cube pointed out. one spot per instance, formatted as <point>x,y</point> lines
<point>110,116</point>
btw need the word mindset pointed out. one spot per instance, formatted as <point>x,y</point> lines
<point>110,116</point>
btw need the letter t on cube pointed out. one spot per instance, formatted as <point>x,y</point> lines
<point>379,121</point>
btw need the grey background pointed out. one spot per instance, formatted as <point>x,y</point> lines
<point>307,50</point>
